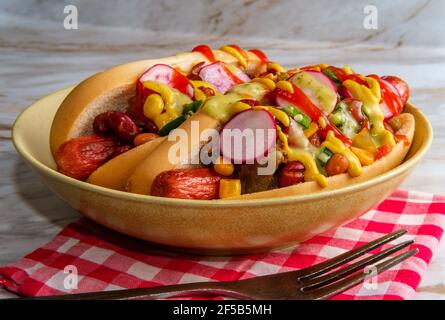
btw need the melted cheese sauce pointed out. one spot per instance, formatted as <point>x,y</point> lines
<point>220,107</point>
<point>313,89</point>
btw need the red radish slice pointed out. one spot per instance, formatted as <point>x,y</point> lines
<point>391,86</point>
<point>401,87</point>
<point>249,136</point>
<point>323,79</point>
<point>238,73</point>
<point>220,76</point>
<point>325,101</point>
<point>387,113</point>
<point>165,74</point>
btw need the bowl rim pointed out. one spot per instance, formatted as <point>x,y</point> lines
<point>33,162</point>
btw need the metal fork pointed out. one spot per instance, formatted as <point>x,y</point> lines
<point>315,282</point>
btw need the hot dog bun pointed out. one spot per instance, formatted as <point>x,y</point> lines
<point>111,90</point>
<point>115,173</point>
<point>141,179</point>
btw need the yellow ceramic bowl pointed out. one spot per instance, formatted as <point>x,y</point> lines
<point>209,227</point>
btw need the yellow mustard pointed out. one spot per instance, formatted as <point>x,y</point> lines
<point>371,107</point>
<point>285,85</point>
<point>277,113</point>
<point>268,83</point>
<point>238,107</point>
<point>199,95</point>
<point>235,53</point>
<point>311,172</point>
<point>336,146</point>
<point>374,87</point>
<point>173,103</point>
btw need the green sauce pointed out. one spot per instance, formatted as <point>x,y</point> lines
<point>218,107</point>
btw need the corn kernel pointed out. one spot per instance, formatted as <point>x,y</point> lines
<point>229,188</point>
<point>275,66</point>
<point>322,122</point>
<point>153,106</point>
<point>313,127</point>
<point>223,167</point>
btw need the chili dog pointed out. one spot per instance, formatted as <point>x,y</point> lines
<point>323,127</point>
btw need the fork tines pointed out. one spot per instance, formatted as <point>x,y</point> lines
<point>319,283</point>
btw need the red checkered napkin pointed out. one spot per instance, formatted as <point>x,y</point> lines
<point>106,260</point>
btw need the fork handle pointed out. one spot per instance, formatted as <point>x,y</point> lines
<point>227,289</point>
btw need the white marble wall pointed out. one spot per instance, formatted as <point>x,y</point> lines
<point>37,56</point>
<point>414,22</point>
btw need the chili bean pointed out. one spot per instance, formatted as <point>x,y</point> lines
<point>337,164</point>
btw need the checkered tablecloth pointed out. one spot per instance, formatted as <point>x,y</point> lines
<point>106,260</point>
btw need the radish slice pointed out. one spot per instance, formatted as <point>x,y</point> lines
<point>221,77</point>
<point>249,136</point>
<point>238,73</point>
<point>392,87</point>
<point>323,79</point>
<point>311,83</point>
<point>387,113</point>
<point>165,74</point>
<point>296,137</point>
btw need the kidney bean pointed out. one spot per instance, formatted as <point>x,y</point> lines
<point>337,164</point>
<point>209,92</point>
<point>291,174</point>
<point>315,139</point>
<point>101,124</point>
<point>194,72</point>
<point>150,126</point>
<point>123,126</point>
<point>144,137</point>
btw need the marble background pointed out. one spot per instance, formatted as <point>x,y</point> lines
<point>38,56</point>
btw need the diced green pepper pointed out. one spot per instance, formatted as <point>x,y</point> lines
<point>331,75</point>
<point>343,120</point>
<point>323,156</point>
<point>165,130</point>
<point>191,108</point>
<point>301,118</point>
